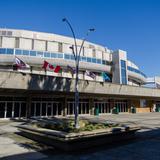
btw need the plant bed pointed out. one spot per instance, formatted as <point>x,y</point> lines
<point>67,138</point>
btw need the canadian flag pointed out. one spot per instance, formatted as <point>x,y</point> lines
<point>47,66</point>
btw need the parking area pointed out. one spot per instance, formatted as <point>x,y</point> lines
<point>145,147</point>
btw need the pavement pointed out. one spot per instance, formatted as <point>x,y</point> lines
<point>145,147</point>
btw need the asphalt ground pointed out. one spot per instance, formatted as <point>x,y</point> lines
<point>146,145</point>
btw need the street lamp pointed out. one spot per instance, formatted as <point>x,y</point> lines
<point>77,58</point>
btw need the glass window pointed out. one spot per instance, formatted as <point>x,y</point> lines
<point>93,60</point>
<point>53,55</point>
<point>10,51</point>
<point>72,57</point>
<point>2,51</point>
<point>40,54</point>
<point>32,53</point>
<point>47,54</point>
<point>99,61</point>
<point>89,59</point>
<point>60,55</point>
<point>83,59</point>
<point>67,56</point>
<point>123,64</point>
<point>25,52</point>
<point>18,52</point>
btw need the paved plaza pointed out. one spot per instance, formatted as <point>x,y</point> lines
<point>146,145</point>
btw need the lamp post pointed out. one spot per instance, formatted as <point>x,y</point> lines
<point>77,58</point>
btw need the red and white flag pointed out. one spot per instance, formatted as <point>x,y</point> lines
<point>47,66</point>
<point>21,64</point>
<point>57,69</point>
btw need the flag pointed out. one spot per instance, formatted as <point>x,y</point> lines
<point>21,64</point>
<point>47,66</point>
<point>71,69</point>
<point>57,69</point>
<point>90,74</point>
<point>105,77</point>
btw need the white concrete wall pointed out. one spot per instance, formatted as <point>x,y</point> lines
<point>25,43</point>
<point>52,46</point>
<point>39,45</point>
<point>8,42</point>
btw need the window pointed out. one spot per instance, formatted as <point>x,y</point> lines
<point>53,55</point>
<point>18,52</point>
<point>60,47</point>
<point>32,53</point>
<point>0,41</point>
<point>67,56</point>
<point>99,61</point>
<point>10,51</point>
<point>123,72</point>
<point>47,54</point>
<point>72,57</point>
<point>3,33</point>
<point>93,60</point>
<point>25,52</point>
<point>60,55</point>
<point>84,59</point>
<point>40,54</point>
<point>89,59</point>
<point>9,33</point>
<point>2,51</point>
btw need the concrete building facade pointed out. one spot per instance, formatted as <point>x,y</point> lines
<point>36,92</point>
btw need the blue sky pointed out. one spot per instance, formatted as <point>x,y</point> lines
<point>131,25</point>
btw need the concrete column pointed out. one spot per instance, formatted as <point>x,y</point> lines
<point>64,106</point>
<point>28,107</point>
<point>112,104</point>
<point>91,106</point>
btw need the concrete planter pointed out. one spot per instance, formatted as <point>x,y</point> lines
<point>75,141</point>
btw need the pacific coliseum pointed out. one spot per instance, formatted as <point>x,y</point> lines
<point>35,92</point>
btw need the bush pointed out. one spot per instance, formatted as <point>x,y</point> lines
<point>68,125</point>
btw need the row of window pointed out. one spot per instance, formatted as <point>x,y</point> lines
<point>136,71</point>
<point>51,55</point>
<point>63,56</point>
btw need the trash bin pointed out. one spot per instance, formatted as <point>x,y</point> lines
<point>115,110</point>
<point>97,111</point>
<point>158,109</point>
<point>133,110</point>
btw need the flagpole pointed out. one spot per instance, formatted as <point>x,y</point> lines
<point>76,57</point>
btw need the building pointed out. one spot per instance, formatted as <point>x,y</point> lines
<point>38,92</point>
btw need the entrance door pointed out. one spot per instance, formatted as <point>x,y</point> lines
<point>49,109</point>
<point>9,108</point>
<point>2,109</point>
<point>16,109</point>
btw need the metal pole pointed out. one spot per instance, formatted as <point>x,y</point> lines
<point>76,56</point>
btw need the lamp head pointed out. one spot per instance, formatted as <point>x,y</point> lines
<point>64,19</point>
<point>91,29</point>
